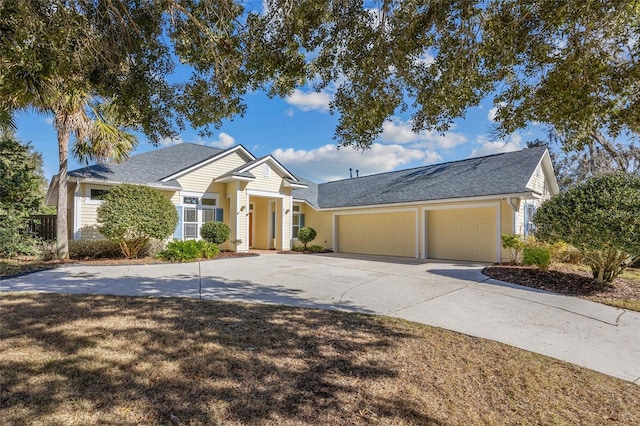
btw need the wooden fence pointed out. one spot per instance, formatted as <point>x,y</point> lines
<point>43,226</point>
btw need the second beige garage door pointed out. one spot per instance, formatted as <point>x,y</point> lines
<point>462,234</point>
<point>386,234</point>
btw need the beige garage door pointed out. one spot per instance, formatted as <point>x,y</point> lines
<point>462,234</point>
<point>386,234</point>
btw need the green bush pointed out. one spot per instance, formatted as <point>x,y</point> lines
<point>600,218</point>
<point>306,235</point>
<point>187,251</point>
<point>297,247</point>
<point>565,253</point>
<point>14,236</point>
<point>514,244</point>
<point>215,232</point>
<point>536,255</point>
<point>133,214</point>
<point>94,249</point>
<point>316,249</point>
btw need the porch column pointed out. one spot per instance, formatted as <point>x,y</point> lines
<point>284,208</point>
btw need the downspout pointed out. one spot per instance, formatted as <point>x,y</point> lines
<point>513,202</point>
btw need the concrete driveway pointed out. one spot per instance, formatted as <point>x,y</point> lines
<point>455,296</point>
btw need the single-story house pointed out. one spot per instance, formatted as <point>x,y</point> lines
<point>455,210</point>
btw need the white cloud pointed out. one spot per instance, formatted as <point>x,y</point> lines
<point>172,141</point>
<point>289,112</point>
<point>49,120</point>
<point>514,143</point>
<point>492,114</point>
<point>399,131</point>
<point>224,141</point>
<point>309,101</point>
<point>327,163</point>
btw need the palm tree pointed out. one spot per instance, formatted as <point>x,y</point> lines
<point>97,137</point>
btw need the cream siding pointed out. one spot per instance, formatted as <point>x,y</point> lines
<point>201,179</point>
<point>322,222</point>
<point>271,183</point>
<point>89,212</point>
<point>539,182</point>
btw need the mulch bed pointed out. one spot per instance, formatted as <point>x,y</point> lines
<point>565,279</point>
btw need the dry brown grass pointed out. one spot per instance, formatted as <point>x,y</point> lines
<point>70,359</point>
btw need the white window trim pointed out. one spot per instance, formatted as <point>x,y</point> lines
<point>87,198</point>
<point>199,209</point>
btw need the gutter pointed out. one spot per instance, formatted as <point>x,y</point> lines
<point>530,195</point>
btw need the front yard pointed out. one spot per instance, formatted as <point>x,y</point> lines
<point>122,360</point>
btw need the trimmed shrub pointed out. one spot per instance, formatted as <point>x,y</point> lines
<point>536,255</point>
<point>600,218</point>
<point>215,232</point>
<point>133,214</point>
<point>187,251</point>
<point>297,247</point>
<point>514,244</point>
<point>316,249</point>
<point>94,249</point>
<point>306,235</point>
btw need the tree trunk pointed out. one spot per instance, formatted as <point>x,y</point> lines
<point>62,235</point>
<point>616,156</point>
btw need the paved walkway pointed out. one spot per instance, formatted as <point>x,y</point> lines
<point>455,296</point>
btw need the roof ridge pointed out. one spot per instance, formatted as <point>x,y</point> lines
<point>432,165</point>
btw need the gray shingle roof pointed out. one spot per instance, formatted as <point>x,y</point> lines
<point>152,166</point>
<point>506,173</point>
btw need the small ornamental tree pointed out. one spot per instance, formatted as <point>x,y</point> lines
<point>601,218</point>
<point>215,232</point>
<point>306,235</point>
<point>132,214</point>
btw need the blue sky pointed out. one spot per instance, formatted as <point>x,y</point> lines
<point>298,131</point>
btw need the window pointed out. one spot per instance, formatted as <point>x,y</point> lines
<point>190,200</point>
<point>98,194</point>
<point>266,170</point>
<point>529,211</point>
<point>297,221</point>
<point>198,209</point>
<point>190,223</point>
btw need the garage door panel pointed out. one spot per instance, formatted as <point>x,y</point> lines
<point>387,234</point>
<point>462,234</point>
